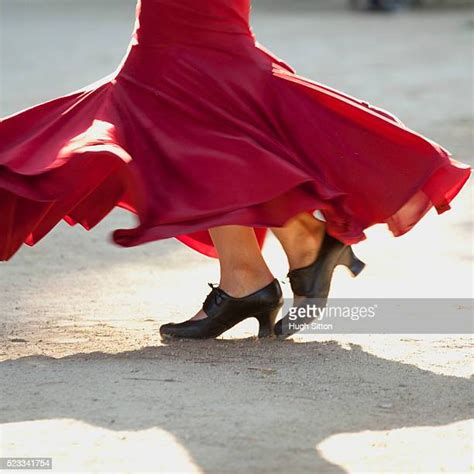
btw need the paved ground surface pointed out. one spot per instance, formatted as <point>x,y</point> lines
<point>86,379</point>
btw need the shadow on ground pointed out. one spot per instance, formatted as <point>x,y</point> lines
<point>236,403</point>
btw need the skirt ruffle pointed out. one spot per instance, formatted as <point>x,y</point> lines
<point>210,140</point>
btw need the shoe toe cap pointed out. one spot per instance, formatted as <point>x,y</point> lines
<point>168,329</point>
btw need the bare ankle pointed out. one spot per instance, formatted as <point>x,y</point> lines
<point>245,280</point>
<point>305,248</point>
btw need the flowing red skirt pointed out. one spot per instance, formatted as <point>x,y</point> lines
<point>190,137</point>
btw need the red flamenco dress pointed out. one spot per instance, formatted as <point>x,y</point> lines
<point>201,126</point>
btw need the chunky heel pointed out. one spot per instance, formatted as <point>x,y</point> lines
<point>266,321</point>
<point>349,259</point>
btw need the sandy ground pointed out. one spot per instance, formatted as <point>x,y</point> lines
<point>85,377</point>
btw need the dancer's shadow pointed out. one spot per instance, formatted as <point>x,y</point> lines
<point>236,405</point>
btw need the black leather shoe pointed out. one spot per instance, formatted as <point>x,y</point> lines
<point>314,281</point>
<point>224,311</point>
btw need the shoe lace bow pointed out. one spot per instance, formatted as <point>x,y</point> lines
<point>216,295</point>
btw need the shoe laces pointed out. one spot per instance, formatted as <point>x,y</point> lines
<point>217,295</point>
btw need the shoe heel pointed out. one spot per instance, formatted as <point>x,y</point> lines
<point>349,259</point>
<point>266,322</point>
